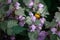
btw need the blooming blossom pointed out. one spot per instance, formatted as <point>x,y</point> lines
<point>12,37</point>
<point>40,5</point>
<point>21,23</point>
<point>42,35</point>
<point>42,20</point>
<point>17,4</point>
<point>30,14</point>
<point>33,27</point>
<point>53,30</point>
<point>58,33</point>
<point>33,18</point>
<point>31,4</point>
<point>9,1</point>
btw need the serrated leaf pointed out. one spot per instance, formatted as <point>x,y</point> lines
<point>35,3</point>
<point>10,31</point>
<point>33,35</point>
<point>57,16</point>
<point>3,25</point>
<point>43,11</point>
<point>50,24</point>
<point>11,23</point>
<point>26,2</point>
<point>20,11</point>
<point>17,29</point>
<point>37,22</point>
<point>28,20</point>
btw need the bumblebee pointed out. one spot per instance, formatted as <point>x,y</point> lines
<point>37,15</point>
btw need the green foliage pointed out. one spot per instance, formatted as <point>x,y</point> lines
<point>58,38</point>
<point>28,20</point>
<point>20,11</point>
<point>11,23</point>
<point>15,0</point>
<point>18,29</point>
<point>26,2</point>
<point>57,16</point>
<point>37,22</point>
<point>53,37</point>
<point>33,35</point>
<point>3,25</point>
<point>50,24</point>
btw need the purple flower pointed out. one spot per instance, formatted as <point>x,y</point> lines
<point>59,23</point>
<point>9,12</point>
<point>33,18</point>
<point>53,30</point>
<point>33,27</point>
<point>17,4</point>
<point>42,20</point>
<point>21,18</point>
<point>31,4</point>
<point>40,5</point>
<point>40,26</point>
<point>30,14</point>
<point>58,33</point>
<point>42,35</point>
<point>12,37</point>
<point>9,1</point>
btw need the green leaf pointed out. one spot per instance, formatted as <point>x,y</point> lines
<point>11,6</point>
<point>3,25</point>
<point>3,1</point>
<point>28,20</point>
<point>33,35</point>
<point>50,24</point>
<point>15,0</point>
<point>20,11</point>
<point>57,16</point>
<point>17,29</point>
<point>58,38</point>
<point>53,37</point>
<point>10,31</point>
<point>11,23</point>
<point>37,22</point>
<point>26,2</point>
